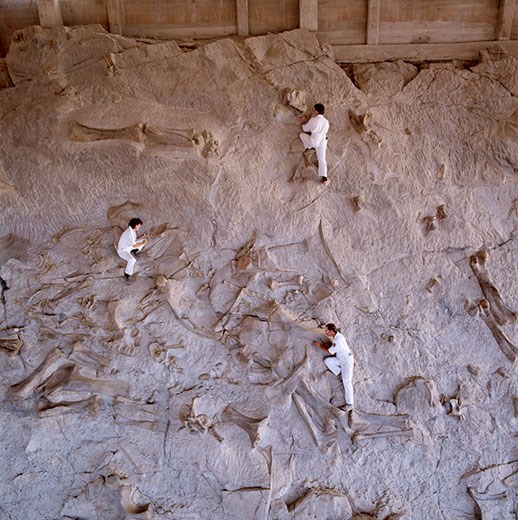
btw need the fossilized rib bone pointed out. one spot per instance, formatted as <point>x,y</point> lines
<point>501,312</point>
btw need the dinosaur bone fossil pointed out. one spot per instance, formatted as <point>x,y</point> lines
<point>367,425</point>
<point>11,345</point>
<point>40,373</point>
<point>46,408</point>
<point>500,311</point>
<point>249,424</point>
<point>79,132</point>
<point>483,309</point>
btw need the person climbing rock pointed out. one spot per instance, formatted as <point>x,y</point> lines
<point>130,246</point>
<point>314,135</point>
<point>341,362</point>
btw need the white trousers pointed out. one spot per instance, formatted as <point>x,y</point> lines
<point>346,368</point>
<point>130,259</point>
<point>320,150</point>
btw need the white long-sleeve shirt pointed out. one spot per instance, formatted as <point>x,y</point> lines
<point>318,126</point>
<point>127,240</point>
<point>340,347</point>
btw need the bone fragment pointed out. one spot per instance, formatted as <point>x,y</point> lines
<point>11,345</point>
<point>452,405</point>
<point>357,203</point>
<point>431,284</point>
<point>430,223</point>
<point>441,212</point>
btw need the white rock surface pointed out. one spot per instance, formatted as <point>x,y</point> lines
<point>196,393</point>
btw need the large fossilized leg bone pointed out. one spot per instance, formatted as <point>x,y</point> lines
<point>47,408</point>
<point>319,415</point>
<point>79,132</point>
<point>67,377</point>
<point>40,374</point>
<point>370,425</point>
<point>505,344</point>
<point>172,136</point>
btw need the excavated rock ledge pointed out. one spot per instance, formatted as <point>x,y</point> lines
<point>196,392</point>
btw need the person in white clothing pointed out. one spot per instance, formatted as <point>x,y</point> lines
<point>129,246</point>
<point>315,136</point>
<point>341,362</point>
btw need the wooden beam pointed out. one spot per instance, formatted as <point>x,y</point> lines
<point>504,21</point>
<point>243,28</point>
<point>115,10</point>
<point>49,12</point>
<point>419,52</point>
<point>373,21</point>
<point>308,14</point>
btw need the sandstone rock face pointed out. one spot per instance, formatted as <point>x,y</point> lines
<point>196,392</point>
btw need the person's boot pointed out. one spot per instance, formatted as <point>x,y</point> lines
<point>129,280</point>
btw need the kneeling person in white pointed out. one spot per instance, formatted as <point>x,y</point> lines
<point>342,361</point>
<point>315,136</point>
<point>129,246</point>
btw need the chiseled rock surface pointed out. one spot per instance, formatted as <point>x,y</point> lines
<point>196,392</point>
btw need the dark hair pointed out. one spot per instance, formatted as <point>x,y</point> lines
<point>134,222</point>
<point>320,108</point>
<point>332,327</point>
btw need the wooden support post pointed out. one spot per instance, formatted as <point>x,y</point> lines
<point>308,15</point>
<point>373,21</point>
<point>49,12</point>
<point>242,18</point>
<point>504,21</point>
<point>115,10</point>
